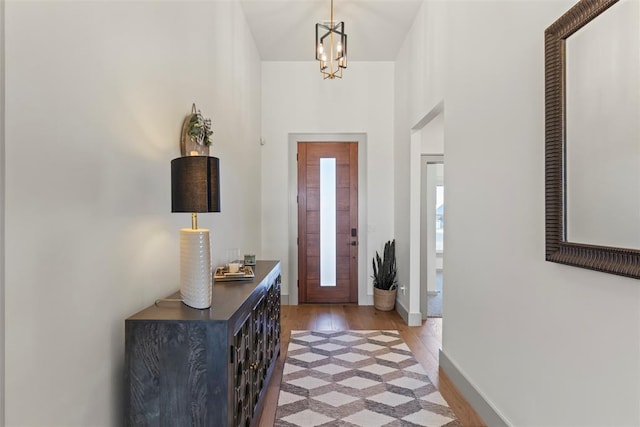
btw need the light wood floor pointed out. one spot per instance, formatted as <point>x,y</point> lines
<point>425,342</point>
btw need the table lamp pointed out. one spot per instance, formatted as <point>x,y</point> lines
<point>195,187</point>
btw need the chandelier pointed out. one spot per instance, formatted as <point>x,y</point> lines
<point>331,47</point>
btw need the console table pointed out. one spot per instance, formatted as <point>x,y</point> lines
<point>189,367</point>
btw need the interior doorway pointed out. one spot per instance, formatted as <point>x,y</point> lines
<point>431,235</point>
<point>427,138</point>
<point>327,222</point>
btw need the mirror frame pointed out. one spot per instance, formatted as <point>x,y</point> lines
<point>621,261</point>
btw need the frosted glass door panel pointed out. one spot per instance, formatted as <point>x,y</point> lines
<point>327,222</point>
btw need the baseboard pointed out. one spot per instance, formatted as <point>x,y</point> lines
<point>365,300</point>
<point>411,319</point>
<point>415,319</point>
<point>489,414</point>
<point>403,312</point>
<point>368,300</point>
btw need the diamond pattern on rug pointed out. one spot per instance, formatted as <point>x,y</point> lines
<point>348,338</point>
<point>426,418</point>
<point>357,378</point>
<point>351,357</point>
<point>394,357</point>
<point>369,347</point>
<point>417,369</point>
<point>378,369</point>
<point>307,418</point>
<point>308,382</point>
<point>335,398</point>
<point>406,382</point>
<point>436,398</point>
<point>402,346</point>
<point>289,368</point>
<point>366,418</point>
<point>331,369</point>
<point>385,338</point>
<point>294,347</point>
<point>286,398</point>
<point>358,382</point>
<point>309,338</point>
<point>309,357</point>
<point>329,347</point>
<point>391,399</point>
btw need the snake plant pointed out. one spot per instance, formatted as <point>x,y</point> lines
<point>384,273</point>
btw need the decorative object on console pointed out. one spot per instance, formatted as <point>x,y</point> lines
<point>249,259</point>
<point>223,274</point>
<point>385,282</point>
<point>233,256</point>
<point>331,47</point>
<point>195,187</point>
<point>197,134</point>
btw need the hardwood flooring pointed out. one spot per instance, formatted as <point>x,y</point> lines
<point>425,342</point>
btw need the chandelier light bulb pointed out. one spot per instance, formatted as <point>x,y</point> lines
<point>320,49</point>
<point>339,48</point>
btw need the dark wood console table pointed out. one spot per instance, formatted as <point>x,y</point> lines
<point>189,367</point>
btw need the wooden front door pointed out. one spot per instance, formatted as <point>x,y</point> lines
<point>327,222</point>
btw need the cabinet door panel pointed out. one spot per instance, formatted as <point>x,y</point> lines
<point>242,374</point>
<point>258,353</point>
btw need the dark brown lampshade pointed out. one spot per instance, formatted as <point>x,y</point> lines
<point>195,184</point>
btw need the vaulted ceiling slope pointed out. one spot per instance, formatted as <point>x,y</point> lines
<point>284,30</point>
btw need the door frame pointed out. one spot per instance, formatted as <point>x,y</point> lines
<point>412,316</point>
<point>428,253</point>
<point>365,295</point>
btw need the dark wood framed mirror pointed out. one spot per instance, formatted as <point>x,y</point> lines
<point>563,140</point>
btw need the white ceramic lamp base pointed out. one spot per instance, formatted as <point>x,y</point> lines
<point>195,268</point>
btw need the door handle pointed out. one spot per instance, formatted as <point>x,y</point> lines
<point>354,243</point>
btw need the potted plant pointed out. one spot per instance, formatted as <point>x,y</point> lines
<point>197,134</point>
<point>385,282</point>
<point>200,129</point>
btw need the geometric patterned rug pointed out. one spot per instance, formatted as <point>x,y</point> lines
<point>357,378</point>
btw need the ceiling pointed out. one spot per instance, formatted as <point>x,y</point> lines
<point>284,30</point>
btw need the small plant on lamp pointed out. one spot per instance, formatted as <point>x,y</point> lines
<point>200,129</point>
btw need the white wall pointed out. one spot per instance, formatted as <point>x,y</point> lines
<point>432,136</point>
<point>295,99</point>
<point>95,97</point>
<point>547,344</point>
<point>2,211</point>
<point>418,90</point>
